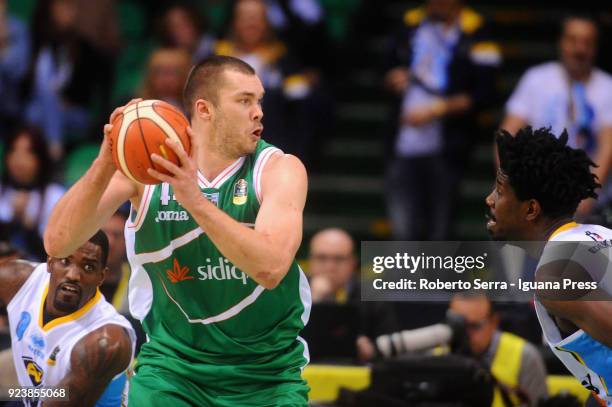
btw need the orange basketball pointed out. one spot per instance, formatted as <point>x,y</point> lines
<point>140,131</point>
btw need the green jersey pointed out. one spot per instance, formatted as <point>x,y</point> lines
<point>205,319</point>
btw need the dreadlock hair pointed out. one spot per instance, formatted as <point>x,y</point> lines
<point>543,167</point>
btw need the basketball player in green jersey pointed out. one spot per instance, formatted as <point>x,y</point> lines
<point>214,280</point>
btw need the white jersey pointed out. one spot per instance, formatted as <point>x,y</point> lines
<point>587,359</point>
<point>42,353</point>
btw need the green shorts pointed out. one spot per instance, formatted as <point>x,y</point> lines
<point>155,386</point>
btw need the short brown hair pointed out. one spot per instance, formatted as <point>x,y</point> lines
<point>204,79</point>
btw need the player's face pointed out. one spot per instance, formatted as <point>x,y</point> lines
<point>504,218</point>
<point>74,279</point>
<point>578,45</point>
<point>237,119</point>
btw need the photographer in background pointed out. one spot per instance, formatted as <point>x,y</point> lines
<point>516,364</point>
<point>472,329</point>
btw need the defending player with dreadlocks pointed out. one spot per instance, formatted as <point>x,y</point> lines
<point>539,184</point>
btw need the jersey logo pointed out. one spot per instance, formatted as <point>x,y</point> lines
<point>240,192</point>
<point>33,370</point>
<point>37,341</point>
<point>596,237</point>
<point>213,197</point>
<point>221,270</point>
<point>179,273</point>
<point>588,384</point>
<point>53,356</point>
<point>22,325</point>
<point>171,215</point>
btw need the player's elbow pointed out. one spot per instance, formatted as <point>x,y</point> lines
<point>272,277</point>
<point>268,280</point>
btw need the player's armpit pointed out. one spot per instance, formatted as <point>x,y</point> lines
<point>284,188</point>
<point>593,317</point>
<point>94,361</point>
<point>12,276</point>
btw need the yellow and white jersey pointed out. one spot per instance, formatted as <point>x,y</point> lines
<point>41,353</point>
<point>589,360</point>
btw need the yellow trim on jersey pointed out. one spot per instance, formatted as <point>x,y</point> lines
<point>574,354</point>
<point>604,384</point>
<point>66,318</point>
<point>563,228</point>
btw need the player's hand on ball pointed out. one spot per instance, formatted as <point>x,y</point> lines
<point>106,154</point>
<point>183,178</point>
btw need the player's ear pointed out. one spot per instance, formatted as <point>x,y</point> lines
<point>103,276</point>
<point>533,210</point>
<point>203,109</point>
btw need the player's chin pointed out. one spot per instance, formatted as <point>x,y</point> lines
<point>494,231</point>
<point>67,304</point>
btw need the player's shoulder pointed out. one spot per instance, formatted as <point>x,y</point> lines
<point>285,163</point>
<point>107,348</point>
<point>13,276</point>
<point>584,232</point>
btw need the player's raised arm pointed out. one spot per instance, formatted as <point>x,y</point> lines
<point>90,202</point>
<point>95,360</point>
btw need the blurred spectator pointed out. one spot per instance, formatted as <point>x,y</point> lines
<point>288,116</point>
<point>516,364</point>
<point>65,75</point>
<point>115,284</point>
<point>302,24</point>
<point>183,27</point>
<point>166,74</point>
<point>570,94</point>
<point>14,61</point>
<point>443,67</point>
<point>7,253</point>
<point>98,22</point>
<point>332,265</point>
<point>27,194</point>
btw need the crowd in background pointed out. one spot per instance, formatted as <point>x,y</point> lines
<point>66,67</point>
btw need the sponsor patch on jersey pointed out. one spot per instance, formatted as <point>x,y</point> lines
<point>220,270</point>
<point>163,216</point>
<point>595,236</point>
<point>22,325</point>
<point>37,341</point>
<point>212,197</point>
<point>53,356</point>
<point>33,370</point>
<point>178,273</point>
<point>240,192</point>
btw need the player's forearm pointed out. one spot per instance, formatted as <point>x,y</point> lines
<point>73,218</point>
<point>249,250</point>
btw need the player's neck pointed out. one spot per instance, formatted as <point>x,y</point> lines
<point>212,162</point>
<point>548,228</point>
